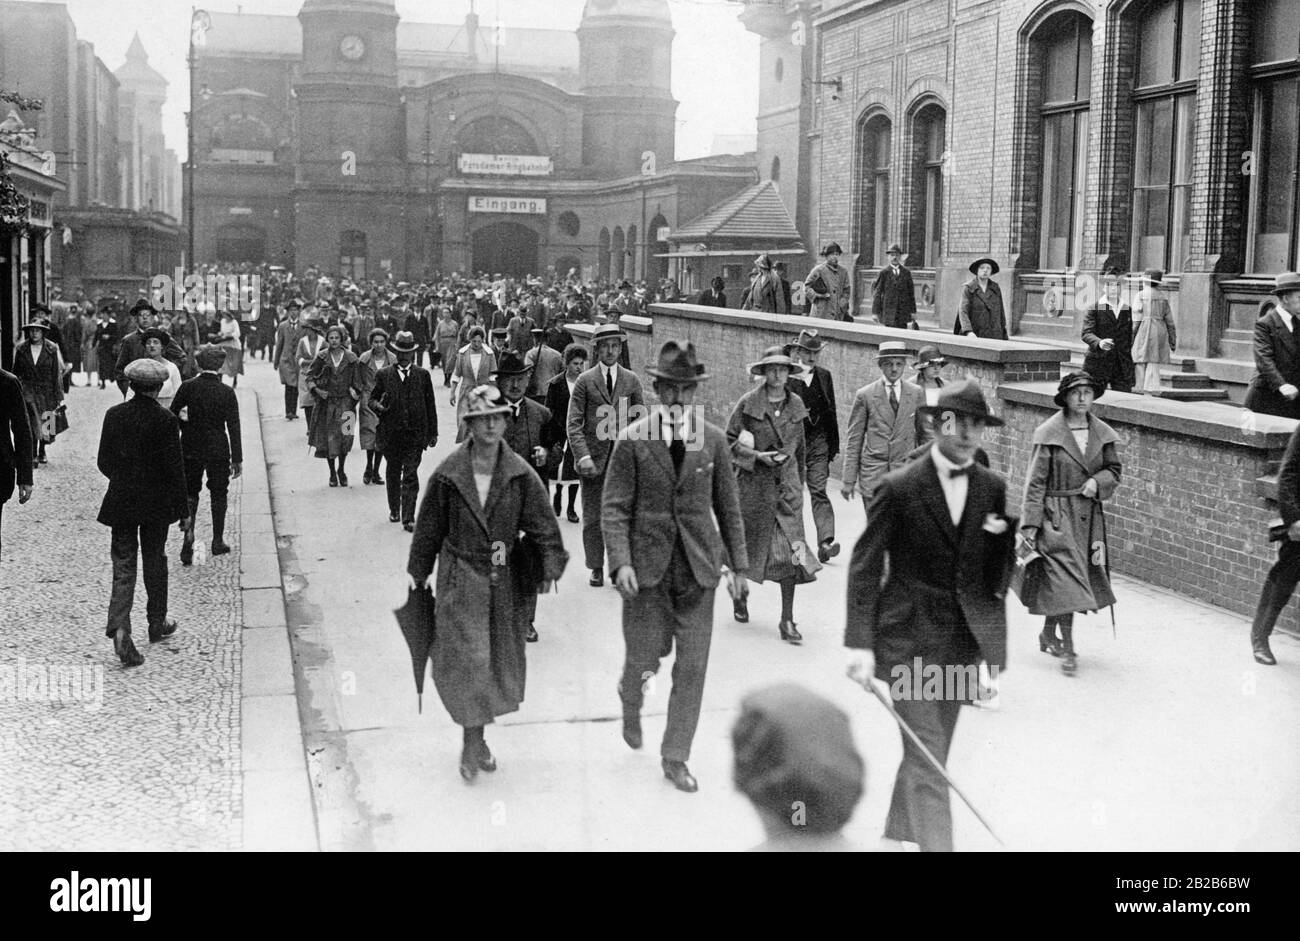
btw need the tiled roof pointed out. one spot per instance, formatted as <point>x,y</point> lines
<point>754,213</point>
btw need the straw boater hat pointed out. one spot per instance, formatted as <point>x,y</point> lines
<point>403,342</point>
<point>965,398</point>
<point>146,372</point>
<point>484,400</point>
<point>511,364</point>
<point>775,356</point>
<point>975,265</point>
<point>608,331</point>
<point>891,349</point>
<point>1073,381</point>
<point>929,356</point>
<point>678,364</point>
<point>1285,283</point>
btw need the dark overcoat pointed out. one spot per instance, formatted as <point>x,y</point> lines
<point>913,572</point>
<point>555,436</point>
<point>408,414</point>
<point>527,431</point>
<point>770,497</point>
<point>140,454</point>
<point>893,297</point>
<point>15,437</point>
<point>1071,527</point>
<point>1114,367</point>
<point>208,410</point>
<point>478,658</point>
<point>1277,363</point>
<point>818,394</point>
<point>981,311</point>
<point>336,391</point>
<point>368,418</point>
<point>42,384</point>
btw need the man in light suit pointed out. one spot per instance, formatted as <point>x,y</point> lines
<point>1275,387</point>
<point>937,528</point>
<point>884,426</point>
<point>669,476</point>
<point>284,358</point>
<point>893,298</point>
<point>599,409</point>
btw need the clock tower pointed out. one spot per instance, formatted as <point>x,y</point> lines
<point>350,181</point>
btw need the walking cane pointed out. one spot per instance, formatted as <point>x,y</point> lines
<point>907,730</point>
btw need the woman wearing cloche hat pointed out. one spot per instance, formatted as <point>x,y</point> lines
<point>981,313</point>
<point>1073,468</point>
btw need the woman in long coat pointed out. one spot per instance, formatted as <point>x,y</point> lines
<point>474,367</point>
<point>89,362</point>
<point>336,379</point>
<point>445,338</point>
<point>39,367</point>
<point>1155,335</point>
<point>981,312</point>
<point>310,345</point>
<point>1074,466</point>
<point>478,501</point>
<point>375,358</point>
<point>766,433</point>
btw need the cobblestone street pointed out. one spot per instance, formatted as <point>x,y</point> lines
<point>149,758</point>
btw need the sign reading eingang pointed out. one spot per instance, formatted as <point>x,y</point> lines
<point>517,205</point>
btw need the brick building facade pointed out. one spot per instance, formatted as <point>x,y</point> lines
<point>371,146</point>
<point>1061,137</point>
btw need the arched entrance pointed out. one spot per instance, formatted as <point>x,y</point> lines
<point>507,248</point>
<point>656,264</point>
<point>566,263</point>
<point>237,243</point>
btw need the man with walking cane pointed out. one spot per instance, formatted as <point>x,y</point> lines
<point>937,526</point>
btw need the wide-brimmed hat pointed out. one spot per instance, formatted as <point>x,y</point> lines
<point>376,332</point>
<point>403,342</point>
<point>37,323</point>
<point>832,248</point>
<point>965,398</point>
<point>484,400</point>
<point>608,331</point>
<point>775,356</point>
<point>975,265</point>
<point>1073,381</point>
<point>511,364</point>
<point>157,333</point>
<point>210,358</point>
<point>894,249</point>
<point>808,340</point>
<point>1285,283</point>
<point>678,363</point>
<point>929,356</point>
<point>142,305</point>
<point>146,371</point>
<point>891,349</point>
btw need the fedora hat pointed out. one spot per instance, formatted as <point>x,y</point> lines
<point>894,249</point>
<point>965,398</point>
<point>625,285</point>
<point>677,363</point>
<point>608,331</point>
<point>157,333</point>
<point>775,356</point>
<point>1285,283</point>
<point>511,364</point>
<point>808,340</point>
<point>1073,381</point>
<point>890,349</point>
<point>975,265</point>
<point>484,400</point>
<point>832,248</point>
<point>929,356</point>
<point>403,342</point>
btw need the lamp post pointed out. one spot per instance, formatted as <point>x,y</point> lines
<point>200,23</point>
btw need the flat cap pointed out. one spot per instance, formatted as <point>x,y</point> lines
<point>146,372</point>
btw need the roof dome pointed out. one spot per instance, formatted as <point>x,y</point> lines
<point>627,9</point>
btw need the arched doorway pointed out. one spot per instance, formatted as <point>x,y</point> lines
<point>507,248</point>
<point>238,243</point>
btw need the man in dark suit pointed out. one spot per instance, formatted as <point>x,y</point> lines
<point>132,346</point>
<point>408,423</point>
<point>1275,387</point>
<point>525,433</point>
<point>821,435</point>
<point>669,477</point>
<point>937,527</point>
<point>107,331</point>
<point>15,442</point>
<point>284,357</point>
<point>600,408</point>
<point>208,410</point>
<point>893,298</point>
<point>1108,331</point>
<point>1285,573</point>
<point>140,454</point>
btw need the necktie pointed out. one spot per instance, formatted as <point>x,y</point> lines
<point>960,471</point>
<point>678,451</point>
<point>609,383</point>
<point>893,399</point>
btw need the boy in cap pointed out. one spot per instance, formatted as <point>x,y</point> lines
<point>884,425</point>
<point>140,454</point>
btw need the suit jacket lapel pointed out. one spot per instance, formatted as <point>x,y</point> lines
<point>1288,338</point>
<point>935,504</point>
<point>971,518</point>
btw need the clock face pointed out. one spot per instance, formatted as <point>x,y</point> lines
<point>352,47</point>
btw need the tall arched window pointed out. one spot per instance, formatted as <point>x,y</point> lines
<point>1065,49</point>
<point>617,246</point>
<point>928,145</point>
<point>352,254</point>
<point>1275,68</point>
<point>1168,65</point>
<point>633,254</point>
<point>602,254</point>
<point>874,136</point>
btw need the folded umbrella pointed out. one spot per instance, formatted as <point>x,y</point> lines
<point>417,620</point>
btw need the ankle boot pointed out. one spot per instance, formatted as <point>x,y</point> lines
<point>1047,640</point>
<point>125,648</point>
<point>1069,662</point>
<point>219,546</point>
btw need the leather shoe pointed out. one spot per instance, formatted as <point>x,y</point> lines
<point>334,480</point>
<point>573,516</point>
<point>375,479</point>
<point>469,763</point>
<point>394,518</point>
<point>531,636</point>
<point>187,554</point>
<point>827,551</point>
<point>409,527</point>
<point>740,610</point>
<point>219,547</point>
<point>486,761</point>
<point>161,629</point>
<point>365,478</point>
<point>597,578</point>
<point>680,775</point>
<point>343,479</point>
<point>789,633</point>
<point>632,731</point>
<point>124,647</point>
<point>1264,655</point>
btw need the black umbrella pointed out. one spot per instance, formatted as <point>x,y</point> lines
<point>417,620</point>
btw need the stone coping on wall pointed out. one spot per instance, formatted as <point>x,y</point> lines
<point>957,347</point>
<point>1209,420</point>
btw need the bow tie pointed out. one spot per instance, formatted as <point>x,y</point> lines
<point>960,471</point>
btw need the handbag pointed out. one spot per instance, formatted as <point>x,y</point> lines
<point>60,420</point>
<point>1027,573</point>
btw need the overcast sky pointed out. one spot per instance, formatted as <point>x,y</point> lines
<point>715,60</point>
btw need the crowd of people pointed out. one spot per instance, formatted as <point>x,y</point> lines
<point>671,507</point>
